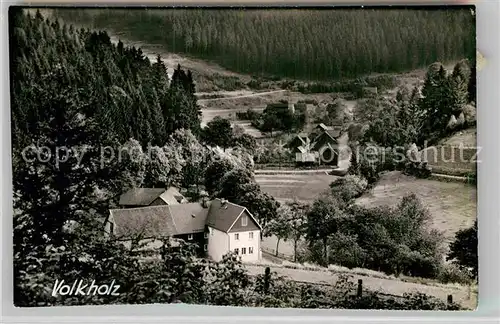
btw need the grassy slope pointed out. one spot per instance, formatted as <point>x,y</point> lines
<point>452,205</point>
<point>385,285</point>
<point>467,138</point>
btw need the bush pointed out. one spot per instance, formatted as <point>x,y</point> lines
<point>349,187</point>
<point>228,83</point>
<point>451,273</point>
<point>463,250</point>
<point>418,169</point>
<point>250,114</point>
<point>471,178</point>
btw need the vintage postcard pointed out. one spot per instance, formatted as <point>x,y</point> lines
<point>264,157</point>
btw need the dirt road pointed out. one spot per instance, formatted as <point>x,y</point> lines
<point>241,96</point>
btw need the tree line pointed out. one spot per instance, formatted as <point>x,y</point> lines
<point>299,43</point>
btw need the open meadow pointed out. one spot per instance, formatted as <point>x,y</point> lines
<point>452,205</point>
<point>303,187</point>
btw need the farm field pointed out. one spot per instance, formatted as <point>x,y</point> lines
<point>303,187</point>
<point>452,205</point>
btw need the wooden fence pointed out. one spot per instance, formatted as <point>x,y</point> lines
<point>359,288</point>
<point>272,252</point>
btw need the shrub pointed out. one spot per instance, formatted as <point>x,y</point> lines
<point>424,302</point>
<point>418,169</point>
<point>471,178</point>
<point>463,250</point>
<point>349,187</point>
<point>451,273</point>
<point>250,114</point>
<point>228,83</point>
<point>469,112</point>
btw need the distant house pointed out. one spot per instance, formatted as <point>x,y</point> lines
<point>217,227</point>
<point>320,147</point>
<point>299,140</point>
<point>142,197</point>
<point>305,156</point>
<point>326,145</point>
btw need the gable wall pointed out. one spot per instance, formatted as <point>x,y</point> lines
<point>238,227</point>
<point>158,202</point>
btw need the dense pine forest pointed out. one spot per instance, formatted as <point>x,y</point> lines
<point>129,96</point>
<point>302,44</point>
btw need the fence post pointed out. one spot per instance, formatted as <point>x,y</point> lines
<point>450,299</point>
<point>267,277</point>
<point>360,287</point>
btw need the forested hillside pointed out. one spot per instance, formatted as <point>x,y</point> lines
<point>308,44</point>
<point>116,85</point>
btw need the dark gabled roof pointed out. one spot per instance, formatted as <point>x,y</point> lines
<point>144,221</point>
<point>322,139</point>
<point>160,221</point>
<point>222,215</point>
<point>171,220</point>
<point>189,218</point>
<point>140,196</point>
<point>145,196</point>
<point>297,140</point>
<point>172,196</point>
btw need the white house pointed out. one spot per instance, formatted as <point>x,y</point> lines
<point>232,228</point>
<point>217,227</point>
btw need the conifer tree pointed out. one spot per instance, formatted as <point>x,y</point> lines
<point>435,100</point>
<point>458,86</point>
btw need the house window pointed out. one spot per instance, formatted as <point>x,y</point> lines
<point>190,237</point>
<point>206,234</point>
<point>205,247</point>
<point>250,250</point>
<point>237,236</point>
<point>250,236</point>
<point>237,251</point>
<point>111,228</point>
<point>244,220</point>
<point>243,250</point>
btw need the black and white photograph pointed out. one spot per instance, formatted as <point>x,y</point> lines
<point>277,157</point>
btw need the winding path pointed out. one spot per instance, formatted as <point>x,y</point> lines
<point>256,94</point>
